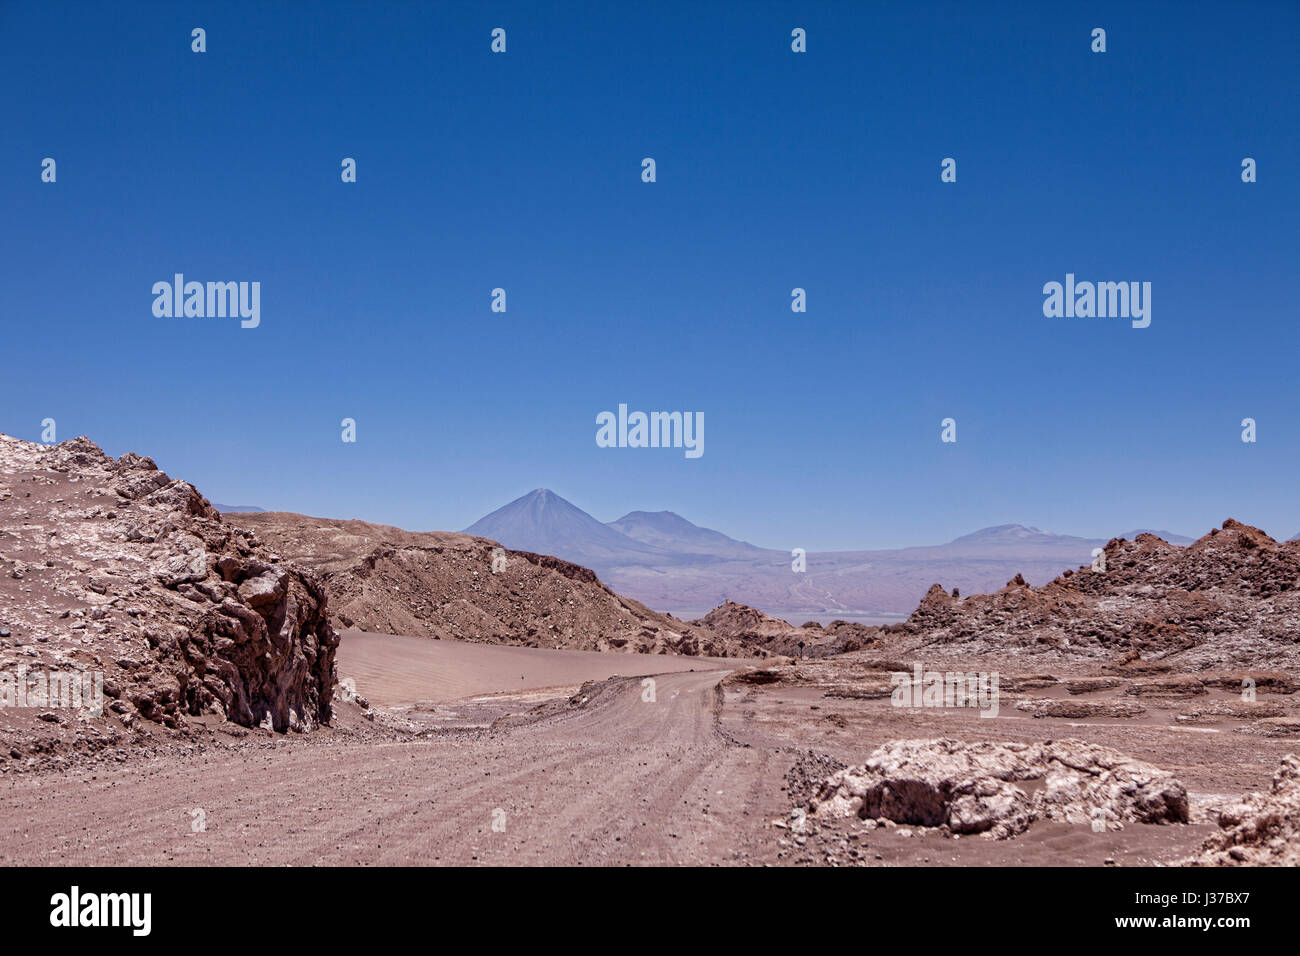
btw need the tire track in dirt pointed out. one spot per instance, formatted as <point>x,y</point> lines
<point>615,780</point>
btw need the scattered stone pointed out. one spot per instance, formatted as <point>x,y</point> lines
<point>973,787</point>
<point>1080,709</point>
<point>1275,727</point>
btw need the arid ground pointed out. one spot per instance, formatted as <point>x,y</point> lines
<point>257,708</point>
<point>462,735</point>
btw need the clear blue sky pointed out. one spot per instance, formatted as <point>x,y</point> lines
<point>775,170</point>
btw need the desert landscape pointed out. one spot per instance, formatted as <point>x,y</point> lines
<point>848,445</point>
<point>284,690</point>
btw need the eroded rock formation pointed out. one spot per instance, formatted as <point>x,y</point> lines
<point>110,565</point>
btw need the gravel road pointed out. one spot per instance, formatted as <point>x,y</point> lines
<point>613,780</point>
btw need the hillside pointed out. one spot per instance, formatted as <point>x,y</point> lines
<point>442,584</point>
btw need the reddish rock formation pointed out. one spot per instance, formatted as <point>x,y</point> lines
<point>760,631</point>
<point>112,566</point>
<point>1232,599</point>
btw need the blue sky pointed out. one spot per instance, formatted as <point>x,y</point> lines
<point>775,170</point>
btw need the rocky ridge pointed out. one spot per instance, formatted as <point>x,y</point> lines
<point>110,567</point>
<point>447,585</point>
<point>759,631</point>
<point>1231,598</point>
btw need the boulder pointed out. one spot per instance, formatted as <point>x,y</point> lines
<point>1000,789</point>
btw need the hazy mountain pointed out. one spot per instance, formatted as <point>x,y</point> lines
<point>238,509</point>
<point>1016,539</point>
<point>1024,539</point>
<point>543,522</point>
<point>671,532</point>
<point>671,564</point>
<point>1007,533</point>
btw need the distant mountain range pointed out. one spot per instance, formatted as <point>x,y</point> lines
<point>671,532</point>
<point>671,564</point>
<point>544,522</point>
<point>238,509</point>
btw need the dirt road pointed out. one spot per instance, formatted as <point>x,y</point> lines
<point>397,671</point>
<point>613,780</point>
<point>528,775</point>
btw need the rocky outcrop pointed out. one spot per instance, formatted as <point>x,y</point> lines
<point>1231,598</point>
<point>112,566</point>
<point>762,632</point>
<point>937,609</point>
<point>1000,789</point>
<point>1263,829</point>
<point>1080,709</point>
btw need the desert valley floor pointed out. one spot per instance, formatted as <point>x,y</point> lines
<point>587,770</point>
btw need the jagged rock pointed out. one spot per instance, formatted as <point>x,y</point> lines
<point>1217,710</point>
<point>266,590</point>
<point>213,624</point>
<point>937,609</point>
<point>762,632</point>
<point>1262,829</point>
<point>1167,687</point>
<point>1090,685</point>
<point>974,787</point>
